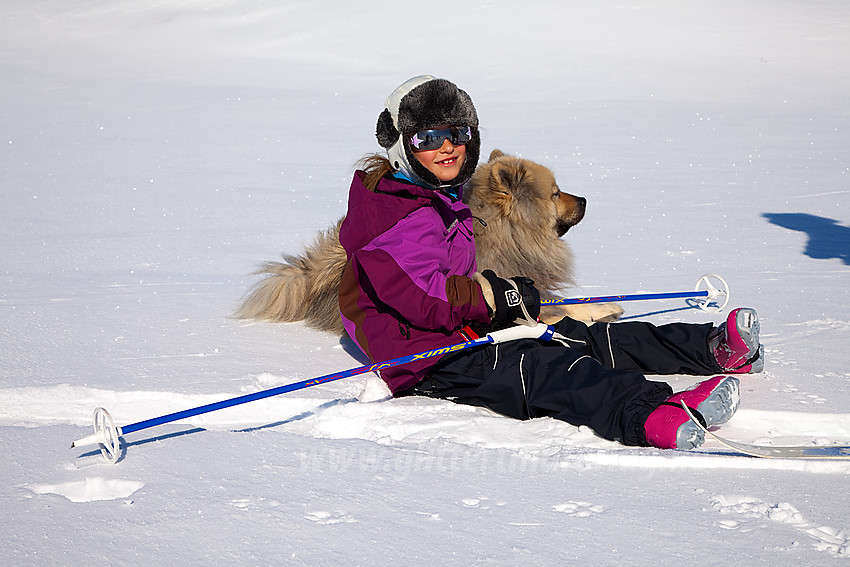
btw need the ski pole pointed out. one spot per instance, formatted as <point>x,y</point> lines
<point>108,435</point>
<point>709,294</point>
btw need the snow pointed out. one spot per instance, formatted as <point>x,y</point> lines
<point>153,154</point>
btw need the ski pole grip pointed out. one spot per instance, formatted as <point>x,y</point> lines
<point>93,439</point>
<point>539,331</point>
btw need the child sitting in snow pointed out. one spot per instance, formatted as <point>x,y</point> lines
<point>411,285</point>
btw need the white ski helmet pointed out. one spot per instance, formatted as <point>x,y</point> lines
<point>421,103</point>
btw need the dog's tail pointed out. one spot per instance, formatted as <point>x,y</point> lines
<point>303,288</point>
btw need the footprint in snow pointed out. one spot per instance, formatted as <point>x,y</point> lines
<point>328,518</point>
<point>751,511</point>
<point>254,503</point>
<point>802,397</point>
<point>481,502</point>
<point>578,509</point>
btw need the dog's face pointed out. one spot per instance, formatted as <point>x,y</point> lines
<point>523,193</point>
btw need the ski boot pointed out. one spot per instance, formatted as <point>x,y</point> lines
<point>713,402</point>
<point>735,343</point>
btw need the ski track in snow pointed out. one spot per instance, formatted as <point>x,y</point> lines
<point>370,415</point>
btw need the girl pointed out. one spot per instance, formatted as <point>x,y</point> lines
<point>411,285</point>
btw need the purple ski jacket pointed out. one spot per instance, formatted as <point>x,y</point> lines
<point>407,286</point>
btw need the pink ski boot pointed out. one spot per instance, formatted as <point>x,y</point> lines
<point>735,343</point>
<point>713,401</point>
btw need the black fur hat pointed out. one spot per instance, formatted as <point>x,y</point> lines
<point>420,103</point>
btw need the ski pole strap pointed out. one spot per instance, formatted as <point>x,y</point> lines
<point>467,334</point>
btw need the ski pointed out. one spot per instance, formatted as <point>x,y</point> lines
<point>822,452</point>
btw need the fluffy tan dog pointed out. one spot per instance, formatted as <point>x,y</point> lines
<point>521,215</point>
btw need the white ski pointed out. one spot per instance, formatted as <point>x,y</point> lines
<point>823,452</point>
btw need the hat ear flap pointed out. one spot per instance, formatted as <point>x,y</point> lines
<point>386,131</point>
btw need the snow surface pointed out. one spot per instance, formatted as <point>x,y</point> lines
<point>153,153</point>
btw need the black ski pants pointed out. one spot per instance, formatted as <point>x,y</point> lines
<point>595,377</point>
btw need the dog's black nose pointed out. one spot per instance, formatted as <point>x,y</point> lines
<point>581,203</point>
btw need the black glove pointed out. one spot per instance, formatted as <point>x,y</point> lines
<point>514,301</point>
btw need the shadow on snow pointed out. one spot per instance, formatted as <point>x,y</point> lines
<point>827,238</point>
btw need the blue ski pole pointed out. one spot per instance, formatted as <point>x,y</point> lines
<point>108,435</point>
<point>711,293</point>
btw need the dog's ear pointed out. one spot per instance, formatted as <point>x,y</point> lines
<point>495,154</point>
<point>507,178</point>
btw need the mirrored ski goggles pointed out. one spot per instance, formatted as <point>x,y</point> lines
<point>433,139</point>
